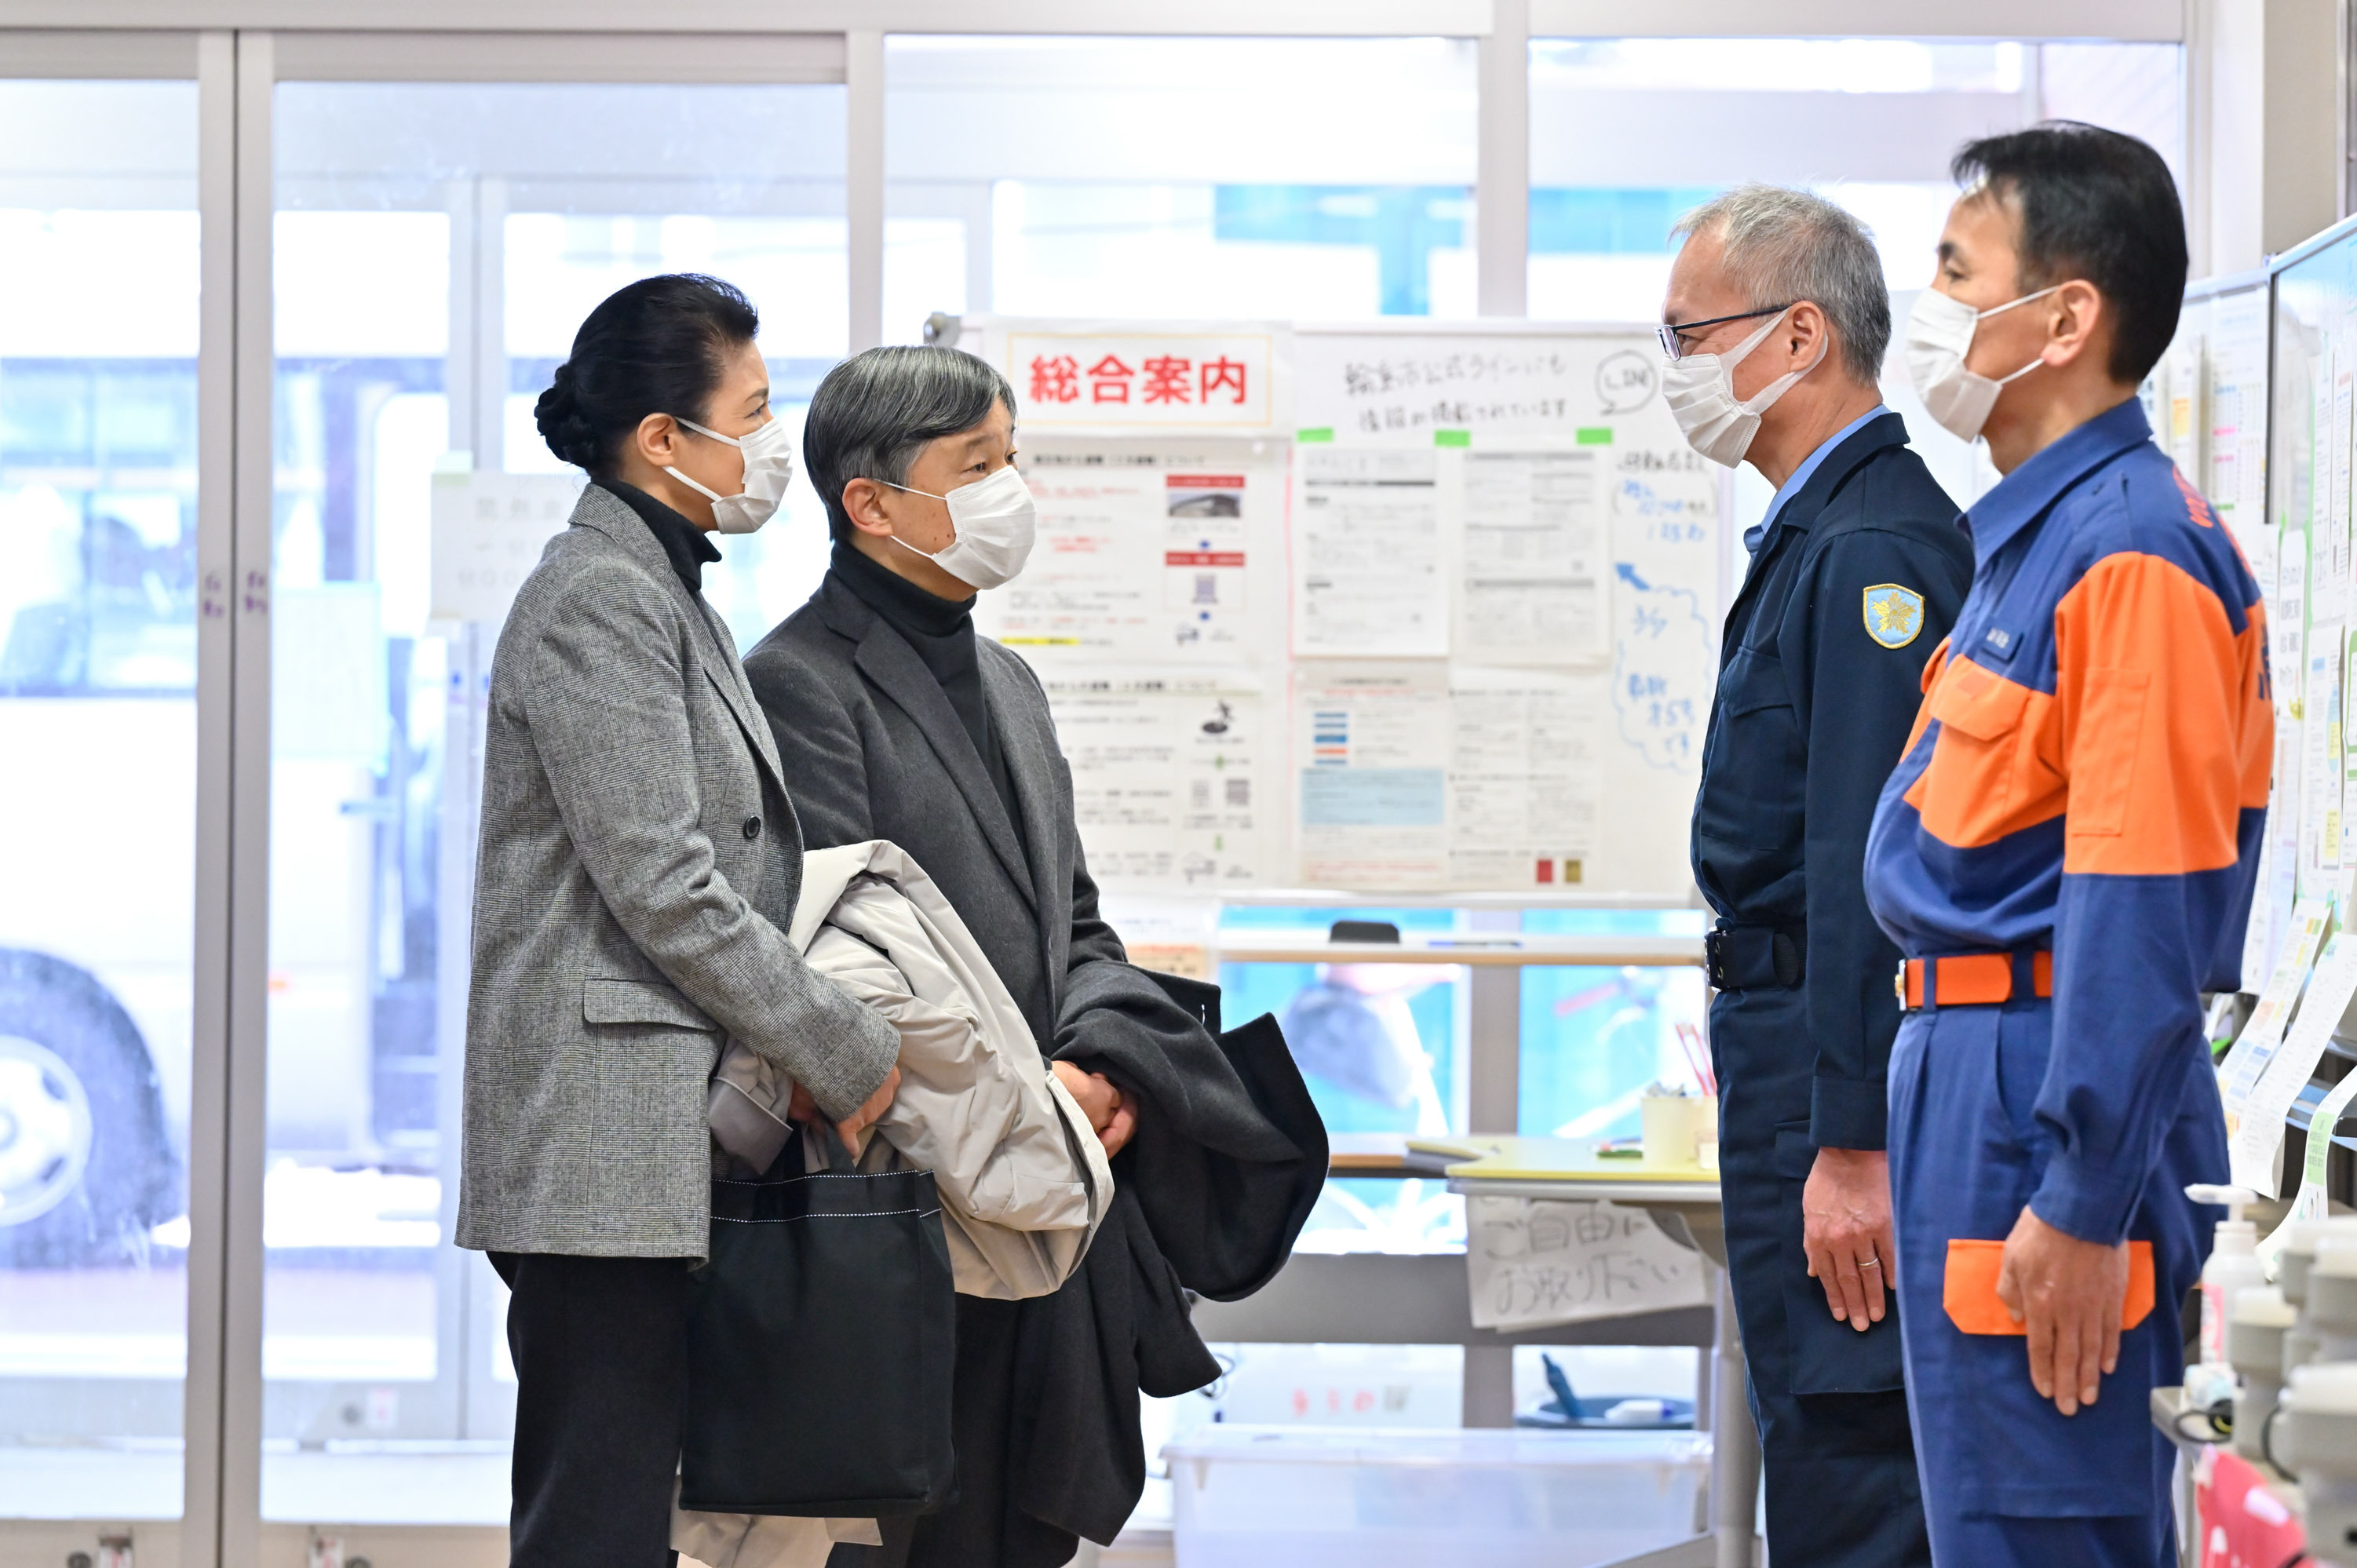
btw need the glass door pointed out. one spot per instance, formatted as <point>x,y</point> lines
<point>436,246</point>
<point>99,262</point>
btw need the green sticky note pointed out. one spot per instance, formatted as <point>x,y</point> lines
<point>1596,436</point>
<point>1452,438</point>
<point>1314,434</point>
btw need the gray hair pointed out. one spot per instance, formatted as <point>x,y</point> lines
<point>876,410</point>
<point>1785,246</point>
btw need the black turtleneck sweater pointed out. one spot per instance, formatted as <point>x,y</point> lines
<point>688,546</point>
<point>941,632</point>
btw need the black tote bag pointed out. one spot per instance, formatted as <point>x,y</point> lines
<point>819,1347</point>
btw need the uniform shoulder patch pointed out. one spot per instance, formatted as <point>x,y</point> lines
<point>1894,615</point>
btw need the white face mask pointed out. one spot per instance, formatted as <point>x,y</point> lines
<point>769,469</point>
<point>995,521</point>
<point>1700,390</point>
<point>1939,335</point>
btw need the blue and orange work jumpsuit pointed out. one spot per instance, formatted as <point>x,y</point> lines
<point>2072,834</point>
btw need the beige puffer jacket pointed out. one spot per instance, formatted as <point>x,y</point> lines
<point>1023,1180</point>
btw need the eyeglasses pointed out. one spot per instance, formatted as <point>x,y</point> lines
<point>1673,334</point>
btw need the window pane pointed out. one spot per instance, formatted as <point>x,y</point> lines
<point>1593,1039</point>
<point>1869,123</point>
<point>1380,1048</point>
<point>479,224</point>
<point>1164,178</point>
<point>98,524</point>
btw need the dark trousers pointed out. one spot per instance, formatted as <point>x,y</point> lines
<point>1837,1451</point>
<point>982,1527</point>
<point>601,1348</point>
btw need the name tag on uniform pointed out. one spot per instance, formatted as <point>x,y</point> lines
<point>1997,644</point>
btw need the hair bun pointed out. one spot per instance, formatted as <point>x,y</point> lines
<point>563,424</point>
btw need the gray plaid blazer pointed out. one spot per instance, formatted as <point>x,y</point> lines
<point>637,871</point>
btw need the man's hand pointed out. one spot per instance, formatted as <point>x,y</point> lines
<point>1109,1110</point>
<point>2068,1293</point>
<point>801,1107</point>
<point>1845,1229</point>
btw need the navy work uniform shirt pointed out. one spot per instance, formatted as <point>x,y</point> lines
<point>1854,581</point>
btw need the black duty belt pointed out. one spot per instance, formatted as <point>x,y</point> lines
<point>1755,958</point>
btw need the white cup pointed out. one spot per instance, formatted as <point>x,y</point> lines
<point>1673,1129</point>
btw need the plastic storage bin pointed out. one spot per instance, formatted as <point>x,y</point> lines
<point>1249,1497</point>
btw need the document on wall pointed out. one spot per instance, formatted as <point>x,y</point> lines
<point>486,536</point>
<point>2258,1125</point>
<point>2238,411</point>
<point>1371,748</point>
<point>1147,555</point>
<point>1168,777</point>
<point>1526,776</point>
<point>2332,563</point>
<point>2307,1200</point>
<point>1119,378</point>
<point>1368,555</point>
<point>2291,600</point>
<point>2329,768</point>
<point>2256,1045</point>
<point>1532,565</point>
<point>1532,1263</point>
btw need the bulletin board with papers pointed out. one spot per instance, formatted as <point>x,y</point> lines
<point>2314,353</point>
<point>1385,609</point>
<point>2207,403</point>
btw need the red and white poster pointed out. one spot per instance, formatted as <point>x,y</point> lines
<point>1229,378</point>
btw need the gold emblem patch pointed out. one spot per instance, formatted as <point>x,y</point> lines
<point>1894,616</point>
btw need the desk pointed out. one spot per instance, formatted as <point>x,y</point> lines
<point>1685,1202</point>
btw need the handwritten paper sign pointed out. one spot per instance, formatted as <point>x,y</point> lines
<point>1535,382</point>
<point>1533,1263</point>
<point>488,532</point>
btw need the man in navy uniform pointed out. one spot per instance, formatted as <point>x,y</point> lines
<point>1776,321</point>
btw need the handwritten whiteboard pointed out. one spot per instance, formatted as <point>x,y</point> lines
<point>1576,534</point>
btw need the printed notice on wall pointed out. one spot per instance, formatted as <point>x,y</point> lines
<point>488,531</point>
<point>1124,377</point>
<point>2238,415</point>
<point>1367,572</point>
<point>1531,1263</point>
<point>1146,555</point>
<point>1168,776</point>
<point>2264,1030</point>
<point>1526,776</point>
<point>2258,1124</point>
<point>1533,559</point>
<point>1371,763</point>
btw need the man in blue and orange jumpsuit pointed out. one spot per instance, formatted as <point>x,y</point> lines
<point>2065,854</point>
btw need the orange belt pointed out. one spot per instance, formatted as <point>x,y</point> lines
<point>1969,980</point>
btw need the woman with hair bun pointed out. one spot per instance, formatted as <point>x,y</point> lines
<point>638,869</point>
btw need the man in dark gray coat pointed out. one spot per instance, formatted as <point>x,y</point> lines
<point>894,721</point>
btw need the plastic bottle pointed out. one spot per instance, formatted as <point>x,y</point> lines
<point>2234,1264</point>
